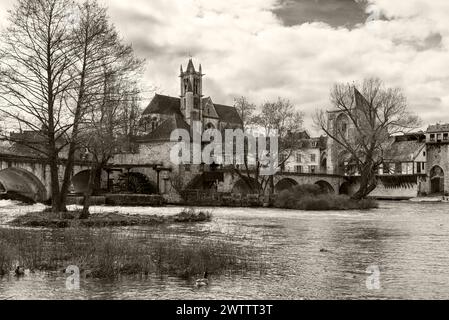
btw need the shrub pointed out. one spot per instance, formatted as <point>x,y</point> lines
<point>314,198</point>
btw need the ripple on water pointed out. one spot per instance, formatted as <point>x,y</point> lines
<point>409,242</point>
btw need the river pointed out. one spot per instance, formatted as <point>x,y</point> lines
<point>407,242</point>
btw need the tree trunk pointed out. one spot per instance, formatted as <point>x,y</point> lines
<point>367,182</point>
<point>88,194</point>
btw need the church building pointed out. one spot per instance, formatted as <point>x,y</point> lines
<point>165,114</point>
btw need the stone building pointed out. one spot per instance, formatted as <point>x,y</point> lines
<point>437,139</point>
<point>164,115</point>
<point>308,156</point>
<point>403,174</point>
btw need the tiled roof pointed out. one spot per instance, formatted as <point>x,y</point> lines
<point>228,114</point>
<point>164,131</point>
<point>172,106</point>
<point>403,151</point>
<point>438,128</point>
<point>164,105</point>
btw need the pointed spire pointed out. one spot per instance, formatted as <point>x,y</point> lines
<point>201,69</point>
<point>182,71</point>
<point>190,67</point>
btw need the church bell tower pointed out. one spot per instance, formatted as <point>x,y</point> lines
<point>191,93</point>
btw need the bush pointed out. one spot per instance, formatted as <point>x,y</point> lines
<point>314,198</point>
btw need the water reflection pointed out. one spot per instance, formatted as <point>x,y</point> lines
<point>407,241</point>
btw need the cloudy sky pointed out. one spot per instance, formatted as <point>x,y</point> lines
<point>295,49</point>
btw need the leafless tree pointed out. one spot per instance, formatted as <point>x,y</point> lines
<point>99,53</point>
<point>245,109</point>
<point>36,56</point>
<point>280,118</point>
<point>372,113</point>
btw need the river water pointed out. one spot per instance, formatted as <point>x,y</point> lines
<point>407,242</point>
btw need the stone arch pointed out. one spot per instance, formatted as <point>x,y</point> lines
<point>325,186</point>
<point>437,180</point>
<point>345,188</point>
<point>323,162</point>
<point>342,125</point>
<point>285,184</point>
<point>242,187</point>
<point>137,183</point>
<point>80,181</point>
<point>22,184</point>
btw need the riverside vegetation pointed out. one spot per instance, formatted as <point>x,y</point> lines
<point>314,198</point>
<point>48,219</point>
<point>113,252</point>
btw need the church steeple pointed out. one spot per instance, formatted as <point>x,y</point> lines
<point>191,93</point>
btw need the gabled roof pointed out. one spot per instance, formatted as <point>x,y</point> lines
<point>228,114</point>
<point>404,151</point>
<point>164,131</point>
<point>438,128</point>
<point>209,109</point>
<point>164,105</point>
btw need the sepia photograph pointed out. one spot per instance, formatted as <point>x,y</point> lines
<point>211,150</point>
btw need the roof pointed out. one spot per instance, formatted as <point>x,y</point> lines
<point>438,128</point>
<point>404,151</point>
<point>191,67</point>
<point>164,105</point>
<point>228,114</point>
<point>165,130</point>
<point>167,105</point>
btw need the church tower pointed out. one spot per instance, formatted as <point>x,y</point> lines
<point>191,93</point>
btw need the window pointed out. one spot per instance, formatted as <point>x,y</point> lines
<point>398,169</point>
<point>386,168</point>
<point>299,158</point>
<point>439,137</point>
<point>432,137</point>
<point>423,166</point>
<point>418,167</point>
<point>312,169</point>
<point>445,137</point>
<point>299,169</point>
<point>314,144</point>
<point>312,157</point>
<point>424,153</point>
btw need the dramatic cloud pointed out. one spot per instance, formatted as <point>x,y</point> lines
<point>263,49</point>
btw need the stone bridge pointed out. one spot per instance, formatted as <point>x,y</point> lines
<point>29,177</point>
<point>285,180</point>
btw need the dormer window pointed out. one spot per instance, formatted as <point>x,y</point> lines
<point>439,137</point>
<point>446,137</point>
<point>432,137</point>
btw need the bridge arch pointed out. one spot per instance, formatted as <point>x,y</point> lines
<point>242,187</point>
<point>285,184</point>
<point>22,184</point>
<point>80,181</point>
<point>325,186</point>
<point>437,180</point>
<point>345,188</point>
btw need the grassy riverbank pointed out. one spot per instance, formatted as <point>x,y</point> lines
<point>108,253</point>
<point>47,219</point>
<point>313,198</point>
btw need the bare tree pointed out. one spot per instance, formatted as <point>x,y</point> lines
<point>245,109</point>
<point>36,56</point>
<point>99,48</point>
<point>372,114</point>
<point>281,118</point>
<point>107,127</point>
